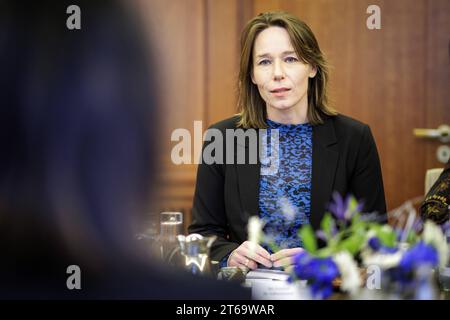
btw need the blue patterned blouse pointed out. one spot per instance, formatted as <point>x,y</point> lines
<point>285,197</point>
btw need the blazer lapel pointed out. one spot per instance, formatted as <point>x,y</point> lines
<point>324,158</point>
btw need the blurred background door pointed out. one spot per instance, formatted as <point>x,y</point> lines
<point>395,79</point>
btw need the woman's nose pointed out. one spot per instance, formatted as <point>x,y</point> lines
<point>278,72</point>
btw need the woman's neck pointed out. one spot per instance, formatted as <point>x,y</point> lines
<point>289,116</point>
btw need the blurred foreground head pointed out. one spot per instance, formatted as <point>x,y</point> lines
<point>76,122</point>
<point>77,141</point>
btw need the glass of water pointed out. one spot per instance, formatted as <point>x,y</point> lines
<point>171,225</point>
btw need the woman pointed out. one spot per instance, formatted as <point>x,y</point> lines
<point>283,86</point>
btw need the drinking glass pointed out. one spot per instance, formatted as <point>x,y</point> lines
<point>171,225</point>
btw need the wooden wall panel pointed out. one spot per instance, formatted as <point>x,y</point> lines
<point>395,79</point>
<point>397,105</point>
<point>403,102</point>
<point>377,76</point>
<point>222,58</point>
<point>225,21</point>
<point>177,33</point>
<point>437,103</point>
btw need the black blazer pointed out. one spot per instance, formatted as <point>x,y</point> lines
<point>344,159</point>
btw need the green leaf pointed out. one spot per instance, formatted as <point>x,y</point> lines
<point>326,252</point>
<point>356,219</point>
<point>352,244</point>
<point>306,233</point>
<point>387,236</point>
<point>326,224</point>
<point>352,204</point>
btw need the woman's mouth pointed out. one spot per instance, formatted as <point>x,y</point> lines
<point>279,92</point>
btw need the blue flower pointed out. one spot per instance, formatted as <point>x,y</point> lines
<point>419,255</point>
<point>321,290</point>
<point>319,272</point>
<point>338,207</point>
<point>302,266</point>
<point>375,245</point>
<point>344,210</point>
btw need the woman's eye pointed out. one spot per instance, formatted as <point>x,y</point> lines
<point>264,62</point>
<point>291,59</point>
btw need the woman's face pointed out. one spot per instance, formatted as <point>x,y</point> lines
<point>281,76</point>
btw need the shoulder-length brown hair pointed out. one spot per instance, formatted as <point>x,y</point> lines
<point>252,108</point>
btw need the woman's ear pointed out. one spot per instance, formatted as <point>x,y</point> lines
<point>312,72</point>
<point>252,76</point>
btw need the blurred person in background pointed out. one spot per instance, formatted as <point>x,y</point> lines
<point>436,205</point>
<point>78,123</point>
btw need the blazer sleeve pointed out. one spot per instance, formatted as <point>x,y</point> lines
<point>367,182</point>
<point>208,212</point>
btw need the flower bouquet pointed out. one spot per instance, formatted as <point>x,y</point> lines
<point>353,250</point>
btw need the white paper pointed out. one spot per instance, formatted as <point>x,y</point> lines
<point>266,289</point>
<point>267,274</point>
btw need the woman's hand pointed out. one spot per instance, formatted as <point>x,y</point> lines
<point>249,255</point>
<point>285,258</point>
